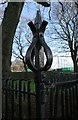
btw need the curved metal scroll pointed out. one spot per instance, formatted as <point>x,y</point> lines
<point>38,39</point>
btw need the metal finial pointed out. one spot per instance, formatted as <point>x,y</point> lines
<point>38,41</point>
<point>38,20</point>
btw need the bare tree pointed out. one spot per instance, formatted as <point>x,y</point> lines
<point>22,39</point>
<point>66,28</point>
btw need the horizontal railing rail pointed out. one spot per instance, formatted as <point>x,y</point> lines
<point>19,100</point>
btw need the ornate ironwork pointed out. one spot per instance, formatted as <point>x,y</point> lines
<point>38,30</point>
<point>33,57</point>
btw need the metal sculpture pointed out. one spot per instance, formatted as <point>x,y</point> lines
<point>33,60</point>
<point>38,41</point>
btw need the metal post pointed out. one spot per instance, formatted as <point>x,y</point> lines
<point>39,62</point>
<point>33,51</point>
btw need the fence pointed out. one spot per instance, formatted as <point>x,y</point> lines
<point>40,98</point>
<point>61,76</point>
<point>19,100</point>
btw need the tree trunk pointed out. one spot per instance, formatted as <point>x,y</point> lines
<point>75,66</point>
<point>9,25</point>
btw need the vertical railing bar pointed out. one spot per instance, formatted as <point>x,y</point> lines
<point>62,102</point>
<point>3,91</point>
<point>9,97</point>
<point>66,103</point>
<point>12,100</point>
<point>72,98</point>
<point>9,86</point>
<point>70,101</point>
<point>74,102</point>
<point>20,100</point>
<point>16,89</point>
<point>29,100</point>
<point>38,102</point>
<point>55,103</point>
<point>51,103</point>
<point>76,90</point>
<point>24,89</point>
<point>6,98</point>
